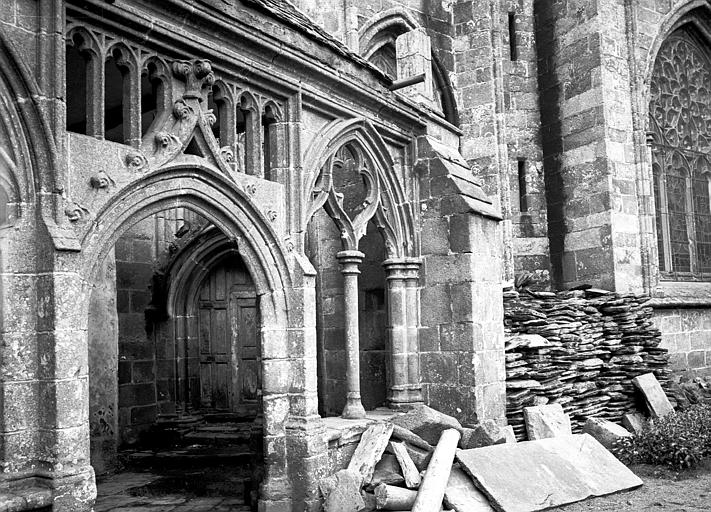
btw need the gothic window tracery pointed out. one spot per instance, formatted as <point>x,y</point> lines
<point>680,125</point>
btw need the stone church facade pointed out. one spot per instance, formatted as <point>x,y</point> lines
<point>246,208</point>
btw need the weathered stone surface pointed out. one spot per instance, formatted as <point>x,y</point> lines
<point>484,434</point>
<point>406,465</point>
<point>426,422</point>
<point>370,449</point>
<point>387,471</point>
<point>536,475</point>
<point>546,421</point>
<point>526,341</point>
<point>634,422</point>
<point>341,492</point>
<point>509,434</point>
<point>606,432</point>
<point>657,401</point>
<point>461,495</point>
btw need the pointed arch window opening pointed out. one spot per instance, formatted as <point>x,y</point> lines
<point>680,125</point>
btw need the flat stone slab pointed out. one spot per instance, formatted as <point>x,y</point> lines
<point>659,404</point>
<point>462,495</point>
<point>536,475</point>
<point>544,421</point>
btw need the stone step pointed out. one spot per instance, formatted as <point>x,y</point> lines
<point>193,456</point>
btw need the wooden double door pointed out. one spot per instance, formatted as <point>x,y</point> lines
<point>228,341</point>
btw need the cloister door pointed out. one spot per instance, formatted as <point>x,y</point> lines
<point>228,344</point>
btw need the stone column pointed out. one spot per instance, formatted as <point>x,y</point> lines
<point>404,365</point>
<point>414,56</point>
<point>349,261</point>
<point>412,295</point>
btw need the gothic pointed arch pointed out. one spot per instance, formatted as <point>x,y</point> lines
<point>680,139</point>
<point>353,147</point>
<point>376,39</point>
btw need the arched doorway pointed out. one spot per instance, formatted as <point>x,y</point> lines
<point>227,277</point>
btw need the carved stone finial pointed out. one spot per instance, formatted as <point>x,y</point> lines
<point>227,154</point>
<point>209,117</point>
<point>136,161</point>
<point>196,75</point>
<point>181,110</point>
<point>101,180</point>
<point>165,139</point>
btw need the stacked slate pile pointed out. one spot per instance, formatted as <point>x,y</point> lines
<point>581,349</point>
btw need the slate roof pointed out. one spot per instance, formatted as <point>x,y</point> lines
<point>286,12</point>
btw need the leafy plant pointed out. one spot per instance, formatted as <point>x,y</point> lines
<point>680,440</point>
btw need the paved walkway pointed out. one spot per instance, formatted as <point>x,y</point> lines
<point>132,492</point>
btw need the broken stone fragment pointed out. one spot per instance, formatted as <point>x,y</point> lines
<point>484,434</point>
<point>634,422</point>
<point>545,421</point>
<point>387,471</point>
<point>606,432</point>
<point>526,341</point>
<point>426,422</point>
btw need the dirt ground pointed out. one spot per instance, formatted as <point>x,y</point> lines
<point>663,490</point>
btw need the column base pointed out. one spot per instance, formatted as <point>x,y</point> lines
<point>354,409</point>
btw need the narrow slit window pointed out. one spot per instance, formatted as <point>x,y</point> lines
<point>76,94</point>
<point>114,106</point>
<point>241,119</point>
<point>513,48</point>
<point>522,187</point>
<point>268,144</point>
<point>151,98</point>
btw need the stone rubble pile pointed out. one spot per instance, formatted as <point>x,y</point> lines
<point>408,464</point>
<point>580,349</point>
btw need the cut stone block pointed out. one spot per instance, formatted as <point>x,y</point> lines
<point>484,434</point>
<point>634,422</point>
<point>341,492</point>
<point>426,422</point>
<point>536,475</point>
<point>545,421</point>
<point>461,495</point>
<point>657,401</point>
<point>606,432</point>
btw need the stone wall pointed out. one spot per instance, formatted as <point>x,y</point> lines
<point>103,368</point>
<point>686,333</point>
<point>135,254</point>
<point>461,338</point>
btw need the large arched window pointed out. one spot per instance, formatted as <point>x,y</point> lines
<point>680,126</point>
